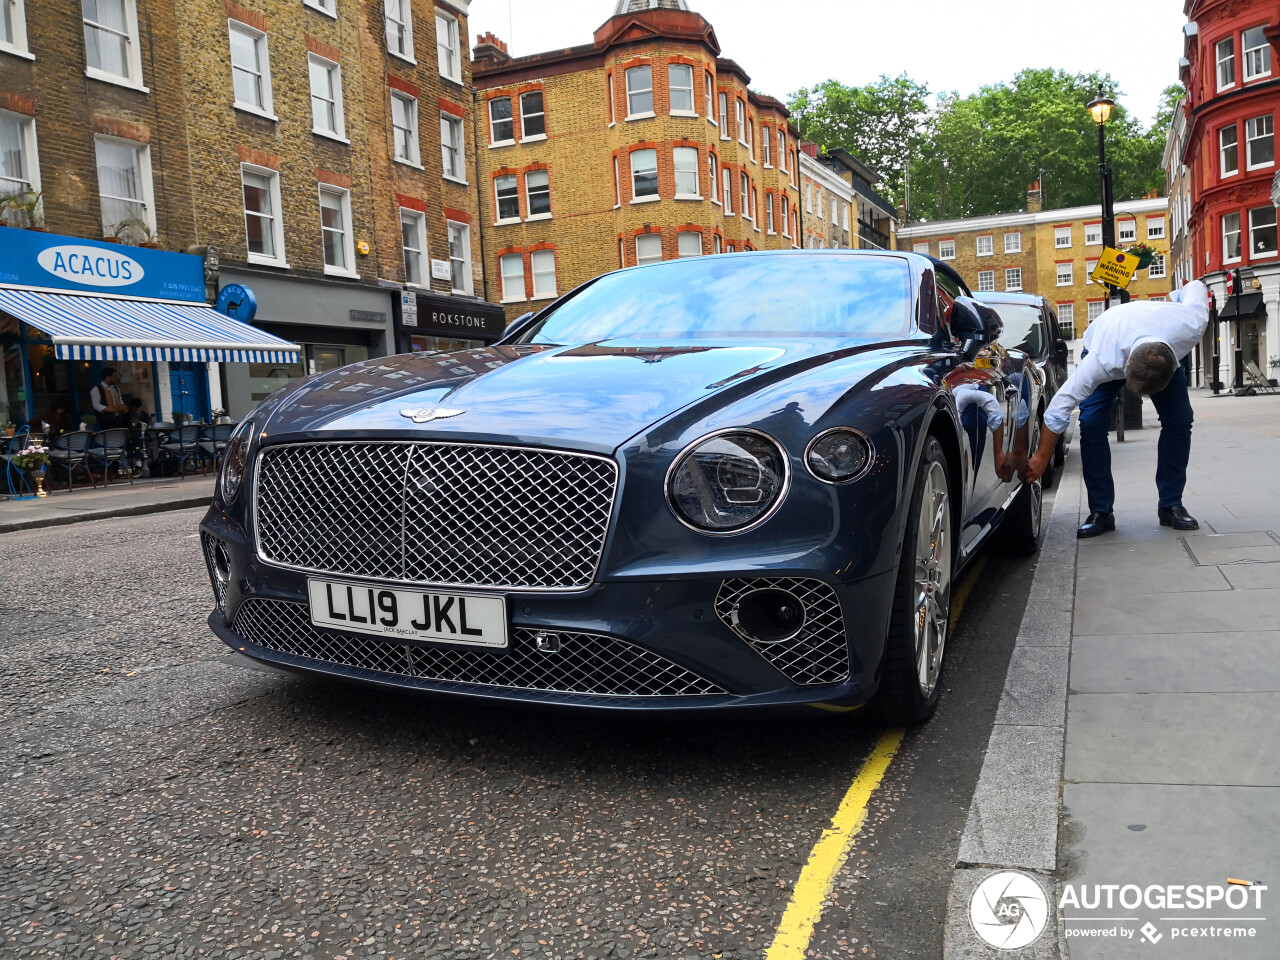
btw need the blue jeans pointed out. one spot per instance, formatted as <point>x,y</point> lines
<point>1174,450</point>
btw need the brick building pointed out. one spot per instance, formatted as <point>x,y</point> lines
<point>827,203</point>
<point>1049,252</point>
<point>643,145</point>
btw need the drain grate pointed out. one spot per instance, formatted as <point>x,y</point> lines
<point>1223,549</point>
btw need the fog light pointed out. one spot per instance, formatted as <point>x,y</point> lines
<point>768,616</point>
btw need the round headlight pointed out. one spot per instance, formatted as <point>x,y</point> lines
<point>839,455</point>
<point>727,482</point>
<point>234,459</point>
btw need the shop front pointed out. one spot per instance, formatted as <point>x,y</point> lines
<point>332,322</point>
<point>70,308</point>
<point>431,323</point>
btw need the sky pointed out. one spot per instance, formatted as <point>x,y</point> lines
<point>949,44</point>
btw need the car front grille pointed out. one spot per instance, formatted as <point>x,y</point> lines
<point>585,663</point>
<point>440,514</point>
<point>819,653</point>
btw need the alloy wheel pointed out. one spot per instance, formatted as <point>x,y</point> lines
<point>932,578</point>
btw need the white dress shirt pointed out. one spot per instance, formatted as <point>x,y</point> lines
<point>1180,323</point>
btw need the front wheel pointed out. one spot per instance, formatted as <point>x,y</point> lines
<point>922,598</point>
<point>1020,528</point>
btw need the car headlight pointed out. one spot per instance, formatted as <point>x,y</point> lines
<point>727,482</point>
<point>234,459</point>
<point>839,455</point>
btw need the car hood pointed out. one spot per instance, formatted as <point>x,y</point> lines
<point>593,397</point>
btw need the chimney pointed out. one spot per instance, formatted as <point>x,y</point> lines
<point>809,147</point>
<point>1034,202</point>
<point>489,49</point>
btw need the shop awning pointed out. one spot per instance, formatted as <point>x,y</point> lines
<point>104,328</point>
<point>1250,305</point>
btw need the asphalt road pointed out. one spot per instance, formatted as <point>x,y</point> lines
<point>160,798</point>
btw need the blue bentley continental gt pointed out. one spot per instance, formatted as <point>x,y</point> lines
<point>722,482</point>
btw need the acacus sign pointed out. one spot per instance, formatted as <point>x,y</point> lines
<point>1115,268</point>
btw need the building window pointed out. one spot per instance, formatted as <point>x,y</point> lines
<point>1257,53</point>
<point>766,144</point>
<point>460,257</point>
<point>19,170</point>
<point>1092,234</point>
<point>984,246</point>
<point>1157,270</point>
<point>724,116</point>
<point>324,6</point>
<point>1260,147</point>
<point>413,242</point>
<point>946,249</point>
<point>713,170</point>
<point>13,26</point>
<point>717,244</point>
<point>501,125</point>
<point>835,211</point>
<point>1013,242</point>
<point>609,83</point>
<point>452,149</point>
<point>727,180</point>
<point>1126,231</point>
<point>689,243</point>
<point>250,68</point>
<point>533,120</point>
<point>751,137</point>
<point>986,281</point>
<point>644,174</point>
<point>262,226</point>
<point>755,213</point>
<point>1065,274</point>
<point>1096,309</point>
<point>1229,150</point>
<point>1067,320</point>
<point>507,191</point>
<point>543,263</point>
<point>920,246</point>
<point>512,268</point>
<point>404,127</point>
<point>709,84</point>
<point>741,118</point>
<point>124,185</point>
<point>1012,277</point>
<point>844,218</point>
<point>786,218</point>
<point>450,62</point>
<point>1089,266</point>
<point>537,189</point>
<point>399,29</point>
<point>1061,237</point>
<point>768,212</point>
<point>808,198</point>
<point>110,39</point>
<point>680,86</point>
<point>1230,237</point>
<point>1226,56</point>
<point>640,92</point>
<point>782,149</point>
<point>648,248</point>
<point>817,199</point>
<point>1262,235</point>
<point>326,97</point>
<point>1155,228</point>
<point>744,195</point>
<point>686,164</point>
<point>335,230</point>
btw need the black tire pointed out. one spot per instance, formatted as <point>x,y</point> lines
<point>1049,476</point>
<point>1020,529</point>
<point>902,700</point>
<point>1060,454</point>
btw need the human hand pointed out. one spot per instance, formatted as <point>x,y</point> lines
<point>1036,466</point>
<point>1004,469</point>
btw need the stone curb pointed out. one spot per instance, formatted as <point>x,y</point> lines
<point>137,509</point>
<point>1014,814</point>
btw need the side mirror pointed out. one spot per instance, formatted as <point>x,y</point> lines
<point>975,325</point>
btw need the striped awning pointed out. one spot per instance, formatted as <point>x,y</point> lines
<point>104,328</point>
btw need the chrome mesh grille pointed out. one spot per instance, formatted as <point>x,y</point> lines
<point>211,547</point>
<point>820,652</point>
<point>586,663</point>
<point>445,514</point>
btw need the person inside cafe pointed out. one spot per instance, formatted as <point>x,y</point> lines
<point>107,402</point>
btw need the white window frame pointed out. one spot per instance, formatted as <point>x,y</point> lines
<point>768,215</point>
<point>713,176</point>
<point>508,280</point>
<point>680,243</point>
<point>709,83</point>
<point>617,183</point>
<point>543,257</point>
<point>744,195</point>
<point>1066,320</point>
<point>263,52</point>
<point>818,203</point>
<point>1059,234</point>
<point>1264,53</point>
<point>1223,146</point>
<point>695,171</point>
<point>17,46</point>
<point>672,88</point>
<point>328,7</point>
<point>1250,140</point>
<point>528,194</point>
<point>1016,245</point>
<point>649,239</point>
<point>451,123</point>
<point>1127,230</point>
<point>1008,274</point>
<point>403,9</point>
<point>990,246</point>
<point>782,150</point>
<point>418,219</point>
<point>609,83</point>
<point>786,216</point>
<point>740,116</point>
<point>1220,59</point>
<point>133,55</point>
<point>766,146</point>
<point>717,243</point>
<point>525,135</point>
<point>986,281</point>
<point>498,218</point>
<point>947,249</point>
<point>1158,271</point>
<point>920,246</point>
<point>1253,247</point>
<point>1064,274</point>
<point>467,278</point>
<point>1155,228</point>
<point>148,199</point>
<point>638,91</point>
<point>334,70</point>
<point>1093,230</point>
<point>414,159</point>
<point>277,216</point>
<point>1089,266</point>
<point>726,193</point>
<point>631,166</point>
<point>29,153</point>
<point>343,197</point>
<point>493,137</point>
<point>1094,309</point>
<point>448,46</point>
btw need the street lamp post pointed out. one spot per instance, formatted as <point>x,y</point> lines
<point>1100,108</point>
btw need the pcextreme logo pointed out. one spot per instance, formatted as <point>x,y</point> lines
<point>1009,910</point>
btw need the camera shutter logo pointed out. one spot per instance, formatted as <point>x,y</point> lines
<point>1009,910</point>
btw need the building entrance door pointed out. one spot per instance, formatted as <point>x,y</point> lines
<point>190,390</point>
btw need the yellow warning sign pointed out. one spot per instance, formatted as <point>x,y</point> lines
<point>1115,267</point>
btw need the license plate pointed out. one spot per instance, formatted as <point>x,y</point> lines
<point>478,621</point>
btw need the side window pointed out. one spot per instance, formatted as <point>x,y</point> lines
<point>947,293</point>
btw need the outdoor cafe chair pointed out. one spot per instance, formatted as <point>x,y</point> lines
<point>15,477</point>
<point>70,451</point>
<point>183,444</point>
<point>111,446</point>
<point>213,440</point>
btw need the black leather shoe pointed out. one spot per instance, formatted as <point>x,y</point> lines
<point>1178,518</point>
<point>1096,524</point>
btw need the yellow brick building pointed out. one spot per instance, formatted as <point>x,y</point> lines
<point>1049,252</point>
<point>643,145</point>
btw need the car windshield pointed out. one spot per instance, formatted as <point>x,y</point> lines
<point>739,296</point>
<point>1022,327</point>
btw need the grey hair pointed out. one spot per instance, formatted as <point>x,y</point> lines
<point>1150,367</point>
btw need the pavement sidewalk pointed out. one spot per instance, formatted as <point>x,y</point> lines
<point>117,500</point>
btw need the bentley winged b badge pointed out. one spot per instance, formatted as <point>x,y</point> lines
<point>427,414</point>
